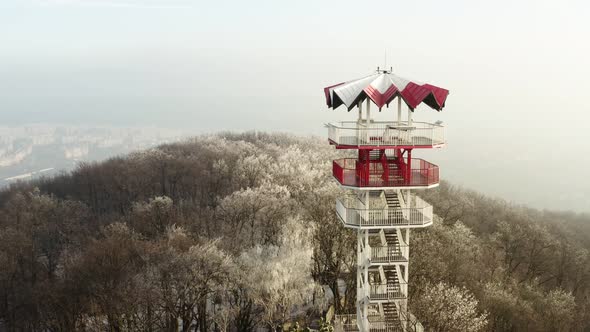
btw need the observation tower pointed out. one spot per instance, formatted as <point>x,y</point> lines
<point>380,204</point>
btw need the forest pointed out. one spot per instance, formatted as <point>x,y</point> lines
<point>238,231</point>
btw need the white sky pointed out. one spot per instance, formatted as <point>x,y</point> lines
<point>518,71</point>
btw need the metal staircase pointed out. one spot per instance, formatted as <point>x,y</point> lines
<point>391,317</point>
<point>375,154</point>
<point>392,200</point>
<point>395,211</point>
<point>393,245</point>
<point>393,284</point>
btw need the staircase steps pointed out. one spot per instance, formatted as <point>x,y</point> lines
<point>392,281</point>
<point>393,244</point>
<point>392,200</point>
<point>391,316</point>
<point>394,173</point>
<point>394,206</point>
<point>375,155</point>
<point>391,239</point>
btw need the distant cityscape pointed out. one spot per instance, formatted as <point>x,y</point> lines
<point>31,151</point>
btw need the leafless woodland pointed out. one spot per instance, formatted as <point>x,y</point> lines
<point>234,232</point>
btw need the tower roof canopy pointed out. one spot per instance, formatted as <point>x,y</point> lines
<point>382,87</point>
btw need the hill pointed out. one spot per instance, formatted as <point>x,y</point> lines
<point>236,231</point>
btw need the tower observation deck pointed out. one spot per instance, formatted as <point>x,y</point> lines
<point>380,204</point>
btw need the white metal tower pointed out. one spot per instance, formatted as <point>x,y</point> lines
<point>380,203</point>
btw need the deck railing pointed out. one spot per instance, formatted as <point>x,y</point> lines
<point>345,323</point>
<point>353,213</point>
<point>388,291</point>
<point>351,172</point>
<point>381,133</point>
<point>375,323</point>
<point>389,254</point>
<point>387,327</point>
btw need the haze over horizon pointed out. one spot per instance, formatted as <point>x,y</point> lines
<point>518,72</point>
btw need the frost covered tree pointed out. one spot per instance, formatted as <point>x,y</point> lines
<point>254,214</point>
<point>301,171</point>
<point>554,310</point>
<point>187,275</point>
<point>253,170</point>
<point>106,272</point>
<point>526,248</point>
<point>36,232</point>
<point>507,311</point>
<point>451,254</point>
<point>444,308</point>
<point>279,276</point>
<point>334,254</point>
<point>154,217</point>
<point>559,310</point>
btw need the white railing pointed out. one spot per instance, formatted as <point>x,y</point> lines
<point>403,204</point>
<point>377,323</point>
<point>383,326</point>
<point>381,133</point>
<point>374,323</point>
<point>345,323</point>
<point>388,291</point>
<point>389,254</point>
<point>352,213</point>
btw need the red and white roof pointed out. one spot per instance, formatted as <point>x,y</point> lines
<point>382,87</point>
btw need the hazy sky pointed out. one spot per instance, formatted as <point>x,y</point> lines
<point>518,71</point>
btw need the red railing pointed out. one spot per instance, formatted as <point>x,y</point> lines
<point>377,173</point>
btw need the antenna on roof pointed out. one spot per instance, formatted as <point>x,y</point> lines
<point>385,60</point>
